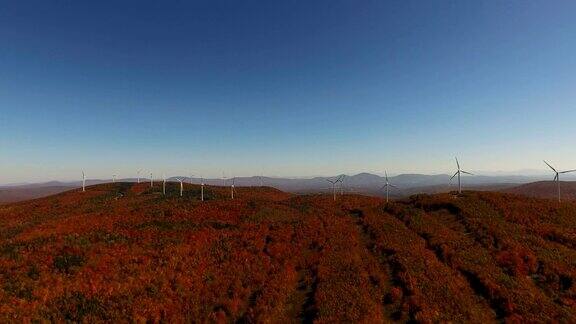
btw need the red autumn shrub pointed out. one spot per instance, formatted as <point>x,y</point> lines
<point>268,256</point>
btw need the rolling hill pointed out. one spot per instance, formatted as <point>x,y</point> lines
<point>546,189</point>
<point>21,193</point>
<point>124,252</point>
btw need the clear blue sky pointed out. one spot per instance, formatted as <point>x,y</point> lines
<point>284,88</point>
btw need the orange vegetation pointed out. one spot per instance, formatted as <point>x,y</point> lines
<point>124,252</point>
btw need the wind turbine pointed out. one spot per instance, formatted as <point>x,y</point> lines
<point>342,186</point>
<point>458,173</point>
<point>191,175</point>
<point>138,173</point>
<point>181,185</point>
<point>334,182</point>
<point>557,176</point>
<point>83,182</point>
<point>261,181</point>
<point>232,188</point>
<point>201,189</point>
<point>164,184</point>
<point>113,178</point>
<point>151,180</point>
<point>387,186</point>
<point>223,179</point>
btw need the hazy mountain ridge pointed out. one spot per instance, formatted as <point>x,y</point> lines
<point>363,183</point>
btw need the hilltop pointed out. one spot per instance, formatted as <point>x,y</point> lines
<point>125,252</point>
<point>546,189</point>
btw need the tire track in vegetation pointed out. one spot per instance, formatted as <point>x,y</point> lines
<point>350,284</point>
<point>543,218</point>
<point>430,290</point>
<point>519,247</point>
<point>395,297</point>
<point>469,249</point>
<point>307,286</point>
<point>301,304</point>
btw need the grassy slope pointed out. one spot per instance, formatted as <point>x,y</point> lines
<point>125,252</point>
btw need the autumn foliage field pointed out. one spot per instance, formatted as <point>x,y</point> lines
<point>123,252</point>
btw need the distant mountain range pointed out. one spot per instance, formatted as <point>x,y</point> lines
<point>368,183</point>
<point>362,183</point>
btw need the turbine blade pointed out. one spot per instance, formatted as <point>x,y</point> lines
<point>466,172</point>
<point>455,174</point>
<point>393,186</point>
<point>457,163</point>
<point>568,171</point>
<point>386,173</point>
<point>550,166</point>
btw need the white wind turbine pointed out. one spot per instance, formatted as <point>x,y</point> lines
<point>334,182</point>
<point>138,176</point>
<point>201,189</point>
<point>151,180</point>
<point>388,185</point>
<point>83,182</point>
<point>181,180</point>
<point>458,173</point>
<point>232,189</point>
<point>164,184</point>
<point>113,178</point>
<point>557,176</point>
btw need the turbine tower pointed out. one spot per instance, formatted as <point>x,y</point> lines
<point>388,185</point>
<point>334,182</point>
<point>201,189</point>
<point>232,189</point>
<point>83,182</point>
<point>138,175</point>
<point>164,184</point>
<point>557,176</point>
<point>458,173</point>
<point>181,180</point>
<point>342,186</point>
<point>151,180</point>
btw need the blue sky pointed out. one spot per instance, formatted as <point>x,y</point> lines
<point>284,88</point>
